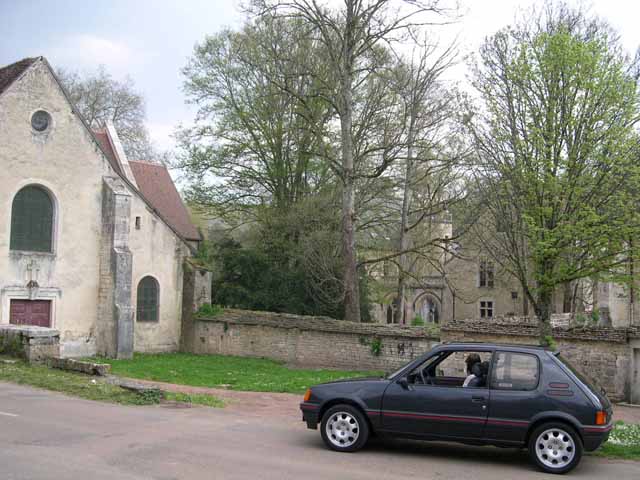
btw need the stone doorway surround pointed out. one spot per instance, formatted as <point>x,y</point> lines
<point>23,293</point>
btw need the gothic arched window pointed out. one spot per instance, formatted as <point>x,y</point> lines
<point>148,300</point>
<point>32,220</point>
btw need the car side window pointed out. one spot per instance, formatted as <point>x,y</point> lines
<point>465,369</point>
<point>515,371</point>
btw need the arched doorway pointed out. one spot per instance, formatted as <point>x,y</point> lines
<point>428,307</point>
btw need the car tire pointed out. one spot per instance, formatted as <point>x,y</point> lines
<point>344,428</point>
<point>555,447</point>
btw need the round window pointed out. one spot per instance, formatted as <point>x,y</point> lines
<point>40,121</point>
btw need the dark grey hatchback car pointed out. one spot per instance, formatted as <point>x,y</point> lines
<point>483,394</point>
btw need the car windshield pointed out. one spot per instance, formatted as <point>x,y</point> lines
<point>429,362</point>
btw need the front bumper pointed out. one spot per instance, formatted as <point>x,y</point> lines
<point>594,436</point>
<point>310,413</point>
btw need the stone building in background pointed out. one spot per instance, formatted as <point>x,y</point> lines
<point>465,283</point>
<point>91,243</point>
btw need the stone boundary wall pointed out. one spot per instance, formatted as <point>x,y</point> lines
<point>34,344</point>
<point>516,328</point>
<point>602,353</point>
<point>196,291</point>
<point>307,341</point>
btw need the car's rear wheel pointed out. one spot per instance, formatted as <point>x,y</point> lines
<point>555,447</point>
<point>344,428</point>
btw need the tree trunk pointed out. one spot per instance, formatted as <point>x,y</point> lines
<point>567,298</point>
<point>404,225</point>
<point>400,316</point>
<point>632,283</point>
<point>349,257</point>
<point>543,312</point>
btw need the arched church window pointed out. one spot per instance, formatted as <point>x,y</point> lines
<point>32,220</point>
<point>148,300</point>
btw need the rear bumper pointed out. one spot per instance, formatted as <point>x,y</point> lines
<point>310,413</point>
<point>595,436</point>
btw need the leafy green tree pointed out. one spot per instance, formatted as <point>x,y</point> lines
<point>355,40</point>
<point>257,135</point>
<point>266,141</point>
<point>263,276</point>
<point>557,151</point>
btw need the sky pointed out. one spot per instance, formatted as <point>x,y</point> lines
<point>151,40</point>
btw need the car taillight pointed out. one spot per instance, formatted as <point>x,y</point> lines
<point>307,395</point>
<point>601,417</point>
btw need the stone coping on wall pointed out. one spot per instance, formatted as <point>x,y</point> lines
<point>515,328</point>
<point>322,324</point>
<point>30,331</point>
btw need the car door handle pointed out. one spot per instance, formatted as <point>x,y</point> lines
<point>477,399</point>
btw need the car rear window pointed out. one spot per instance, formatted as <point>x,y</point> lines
<point>589,382</point>
<point>515,371</point>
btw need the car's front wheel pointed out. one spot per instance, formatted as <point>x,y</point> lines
<point>344,428</point>
<point>555,447</point>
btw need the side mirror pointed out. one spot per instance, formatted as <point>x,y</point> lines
<point>403,382</point>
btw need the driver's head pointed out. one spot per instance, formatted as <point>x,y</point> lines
<point>471,359</point>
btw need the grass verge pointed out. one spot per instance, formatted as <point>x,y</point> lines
<point>71,383</point>
<point>623,443</point>
<point>91,388</point>
<point>622,452</point>
<point>236,373</point>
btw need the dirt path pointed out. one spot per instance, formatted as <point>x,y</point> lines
<point>251,403</point>
<point>286,404</point>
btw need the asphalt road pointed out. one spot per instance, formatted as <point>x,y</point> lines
<point>44,435</point>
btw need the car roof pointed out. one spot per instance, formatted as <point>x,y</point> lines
<point>492,346</point>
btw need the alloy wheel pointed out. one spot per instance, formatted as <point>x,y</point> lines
<point>555,448</point>
<point>342,429</point>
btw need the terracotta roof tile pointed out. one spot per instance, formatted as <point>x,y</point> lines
<point>158,188</point>
<point>103,139</point>
<point>11,72</point>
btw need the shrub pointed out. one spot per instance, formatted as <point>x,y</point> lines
<point>376,346</point>
<point>550,342</point>
<point>209,310</point>
<point>274,276</point>
<point>150,396</point>
<point>417,321</point>
<point>11,345</point>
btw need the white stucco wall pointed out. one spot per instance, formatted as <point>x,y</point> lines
<point>67,162</point>
<point>157,252</point>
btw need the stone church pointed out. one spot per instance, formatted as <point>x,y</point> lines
<point>92,244</point>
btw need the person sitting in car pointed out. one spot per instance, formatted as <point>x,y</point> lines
<point>472,359</point>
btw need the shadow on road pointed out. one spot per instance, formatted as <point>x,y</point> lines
<point>413,449</point>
